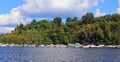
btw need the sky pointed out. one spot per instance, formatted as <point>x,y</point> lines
<point>15,12</point>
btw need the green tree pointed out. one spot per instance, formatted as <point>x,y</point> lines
<point>57,20</point>
<point>68,19</point>
<point>87,18</point>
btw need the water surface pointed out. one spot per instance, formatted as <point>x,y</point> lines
<point>27,54</point>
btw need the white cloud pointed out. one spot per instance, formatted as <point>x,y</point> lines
<point>45,9</point>
<point>6,29</point>
<point>98,13</point>
<point>119,2</point>
<point>13,18</point>
<point>118,9</point>
<point>53,8</point>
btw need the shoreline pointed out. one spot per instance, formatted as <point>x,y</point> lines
<point>77,45</point>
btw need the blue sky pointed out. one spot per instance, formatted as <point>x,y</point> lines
<point>14,12</point>
<point>7,5</point>
<point>108,7</point>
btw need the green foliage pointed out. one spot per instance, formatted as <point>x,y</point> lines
<point>57,20</point>
<point>87,18</point>
<point>90,30</point>
<point>68,19</point>
<point>115,17</point>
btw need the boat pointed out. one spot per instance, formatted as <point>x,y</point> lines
<point>71,45</point>
<point>100,46</point>
<point>77,45</point>
<point>86,46</point>
<point>63,46</point>
<point>110,46</point>
<point>92,46</point>
<point>52,45</point>
<point>42,45</point>
<point>117,46</point>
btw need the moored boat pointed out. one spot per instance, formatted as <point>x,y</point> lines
<point>86,46</point>
<point>117,46</point>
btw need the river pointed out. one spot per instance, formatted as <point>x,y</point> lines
<point>27,54</point>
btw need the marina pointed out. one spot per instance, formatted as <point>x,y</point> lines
<point>77,45</point>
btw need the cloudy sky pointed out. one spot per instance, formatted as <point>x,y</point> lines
<point>14,12</point>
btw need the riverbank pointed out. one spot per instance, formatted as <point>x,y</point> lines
<point>77,45</point>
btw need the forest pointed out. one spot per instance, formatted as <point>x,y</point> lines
<point>85,30</point>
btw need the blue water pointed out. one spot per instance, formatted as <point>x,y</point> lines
<point>27,54</point>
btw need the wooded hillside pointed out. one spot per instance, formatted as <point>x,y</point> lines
<point>87,30</point>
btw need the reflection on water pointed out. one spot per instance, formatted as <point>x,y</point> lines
<point>22,54</point>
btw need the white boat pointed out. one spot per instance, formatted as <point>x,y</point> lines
<point>51,45</point>
<point>86,46</point>
<point>63,46</point>
<point>117,46</point>
<point>32,45</point>
<point>110,46</point>
<point>3,45</point>
<point>100,46</point>
<point>12,45</point>
<point>25,45</point>
<point>47,46</point>
<point>71,45</point>
<point>41,45</point>
<point>77,45</point>
<point>92,46</point>
<point>57,45</point>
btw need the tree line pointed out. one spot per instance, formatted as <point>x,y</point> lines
<point>87,30</point>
